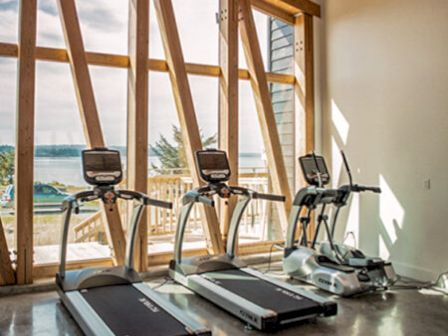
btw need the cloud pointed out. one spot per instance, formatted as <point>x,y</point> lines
<point>8,24</point>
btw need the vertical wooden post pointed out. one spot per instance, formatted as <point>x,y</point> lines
<point>228,99</point>
<point>185,109</point>
<point>137,143</point>
<point>304,90</point>
<point>265,110</point>
<point>24,157</point>
<point>89,114</point>
<point>7,275</point>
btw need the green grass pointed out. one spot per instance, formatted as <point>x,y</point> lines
<point>47,228</point>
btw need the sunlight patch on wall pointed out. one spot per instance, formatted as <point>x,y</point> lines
<point>391,211</point>
<point>336,163</point>
<point>352,229</point>
<point>340,123</point>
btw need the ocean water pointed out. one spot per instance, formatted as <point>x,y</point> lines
<point>68,170</point>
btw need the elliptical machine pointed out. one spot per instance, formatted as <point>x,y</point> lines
<point>380,271</point>
<point>340,270</point>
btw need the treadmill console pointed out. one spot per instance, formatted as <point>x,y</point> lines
<point>102,166</point>
<point>314,169</point>
<point>213,165</point>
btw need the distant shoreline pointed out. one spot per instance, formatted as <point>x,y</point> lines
<point>74,151</point>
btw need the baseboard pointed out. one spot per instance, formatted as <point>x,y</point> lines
<point>414,272</point>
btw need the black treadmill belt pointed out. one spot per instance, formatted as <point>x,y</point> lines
<point>263,293</point>
<point>127,311</point>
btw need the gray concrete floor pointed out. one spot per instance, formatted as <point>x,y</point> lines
<point>398,312</point>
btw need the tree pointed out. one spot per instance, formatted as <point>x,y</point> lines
<point>172,157</point>
<point>6,167</point>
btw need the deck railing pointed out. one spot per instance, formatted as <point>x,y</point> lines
<point>164,222</point>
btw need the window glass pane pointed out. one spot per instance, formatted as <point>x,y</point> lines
<point>261,24</point>
<point>110,88</point>
<point>59,139</point>
<point>169,178</point>
<point>155,39</point>
<point>103,25</point>
<point>198,30</point>
<point>9,16</point>
<point>8,69</point>
<point>276,43</point>
<point>49,30</point>
<point>259,222</point>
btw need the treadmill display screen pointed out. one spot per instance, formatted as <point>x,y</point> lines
<point>314,170</point>
<point>213,165</point>
<point>102,166</point>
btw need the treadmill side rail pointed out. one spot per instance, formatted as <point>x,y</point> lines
<point>330,305</point>
<point>192,326</point>
<point>234,304</point>
<point>86,317</point>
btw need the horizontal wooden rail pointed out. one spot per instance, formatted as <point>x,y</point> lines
<point>285,9</point>
<point>154,259</point>
<point>121,61</point>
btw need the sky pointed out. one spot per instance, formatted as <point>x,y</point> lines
<point>104,28</point>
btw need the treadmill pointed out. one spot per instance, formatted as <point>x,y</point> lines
<point>114,300</point>
<point>225,280</point>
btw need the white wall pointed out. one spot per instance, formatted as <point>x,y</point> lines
<point>384,65</point>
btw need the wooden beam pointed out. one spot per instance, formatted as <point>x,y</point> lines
<point>265,110</point>
<point>137,141</point>
<point>185,109</point>
<point>294,7</point>
<point>121,61</point>
<point>304,73</point>
<point>228,99</point>
<point>89,114</point>
<point>50,269</point>
<point>304,91</point>
<point>269,9</point>
<point>7,275</point>
<point>24,157</point>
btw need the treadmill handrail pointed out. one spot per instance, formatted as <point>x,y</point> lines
<point>246,196</point>
<point>72,202</point>
<point>203,195</point>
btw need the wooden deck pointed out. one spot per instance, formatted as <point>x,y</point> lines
<point>49,254</point>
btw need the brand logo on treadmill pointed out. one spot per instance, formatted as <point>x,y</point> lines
<point>328,283</point>
<point>148,304</point>
<point>248,316</point>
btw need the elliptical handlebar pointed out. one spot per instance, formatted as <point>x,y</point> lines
<point>361,188</point>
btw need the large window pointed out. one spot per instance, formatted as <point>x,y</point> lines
<point>59,134</point>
